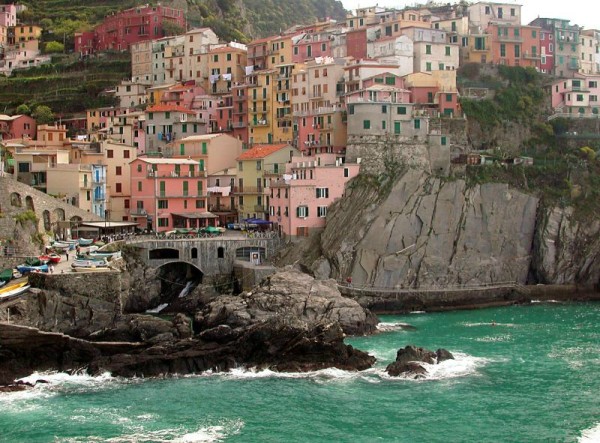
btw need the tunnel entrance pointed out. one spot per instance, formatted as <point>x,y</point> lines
<point>177,281</point>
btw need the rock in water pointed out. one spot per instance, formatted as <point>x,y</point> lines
<point>292,295</point>
<point>409,359</point>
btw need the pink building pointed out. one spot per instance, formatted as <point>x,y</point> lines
<point>17,126</point>
<point>182,94</point>
<point>169,193</point>
<point>577,97</point>
<point>8,15</point>
<point>311,46</point>
<point>299,201</point>
<point>120,30</point>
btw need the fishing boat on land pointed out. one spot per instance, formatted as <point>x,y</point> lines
<point>54,258</point>
<point>6,275</point>
<point>91,269</point>
<point>82,263</point>
<point>85,241</point>
<point>61,245</point>
<point>14,289</point>
<point>105,255</point>
<point>25,268</point>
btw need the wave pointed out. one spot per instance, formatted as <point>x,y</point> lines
<point>395,326</point>
<point>590,435</point>
<point>206,434</point>
<point>157,309</point>
<point>492,323</point>
<point>462,365</point>
<point>546,301</point>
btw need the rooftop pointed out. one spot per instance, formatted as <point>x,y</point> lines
<point>262,151</point>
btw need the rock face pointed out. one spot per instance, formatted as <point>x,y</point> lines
<point>408,361</point>
<point>288,295</point>
<point>431,233</point>
<point>565,250</point>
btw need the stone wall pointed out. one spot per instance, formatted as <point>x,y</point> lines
<point>104,286</point>
<point>16,198</point>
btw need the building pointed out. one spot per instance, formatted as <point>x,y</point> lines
<point>577,97</point>
<point>255,168</point>
<point>213,152</point>
<point>8,15</point>
<point>168,193</point>
<point>300,199</point>
<point>482,13</point>
<point>432,51</point>
<point>166,123</point>
<point>120,30</point>
<point>17,127</point>
<point>590,51</point>
<point>564,45</point>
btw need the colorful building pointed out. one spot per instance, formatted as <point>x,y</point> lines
<point>17,127</point>
<point>255,168</point>
<point>577,97</point>
<point>168,193</point>
<point>300,199</point>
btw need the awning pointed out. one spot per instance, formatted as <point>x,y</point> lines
<point>257,221</point>
<point>108,224</point>
<point>196,215</point>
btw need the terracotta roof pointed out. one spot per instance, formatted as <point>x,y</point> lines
<point>226,49</point>
<point>262,151</point>
<point>169,108</point>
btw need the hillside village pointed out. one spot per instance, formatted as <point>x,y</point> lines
<point>208,133</point>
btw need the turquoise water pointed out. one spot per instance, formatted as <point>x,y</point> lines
<point>534,376</point>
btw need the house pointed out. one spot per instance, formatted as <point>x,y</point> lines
<point>255,168</point>
<point>221,201</point>
<point>17,126</point>
<point>166,123</point>
<point>300,199</point>
<point>577,97</point>
<point>82,185</point>
<point>168,193</point>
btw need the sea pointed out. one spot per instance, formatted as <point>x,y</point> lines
<point>520,374</point>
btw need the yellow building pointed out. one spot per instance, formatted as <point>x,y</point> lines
<point>25,33</point>
<point>479,48</point>
<point>226,66</point>
<point>255,168</point>
<point>51,135</point>
<point>261,98</point>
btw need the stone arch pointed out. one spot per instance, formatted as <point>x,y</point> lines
<point>194,253</point>
<point>59,214</point>
<point>46,219</point>
<point>76,219</point>
<point>15,199</point>
<point>29,203</point>
<point>164,254</point>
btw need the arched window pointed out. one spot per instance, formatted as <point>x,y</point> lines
<point>15,199</point>
<point>194,252</point>
<point>29,203</point>
<point>221,252</point>
<point>46,218</point>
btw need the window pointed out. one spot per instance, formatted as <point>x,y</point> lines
<point>118,170</point>
<point>366,124</point>
<point>181,149</point>
<point>258,165</point>
<point>184,127</point>
<point>384,109</point>
<point>417,123</point>
<point>302,211</point>
<point>109,153</point>
<point>513,13</point>
<point>593,98</point>
<point>517,51</point>
<point>534,33</point>
<point>397,127</point>
<point>517,32</point>
<point>126,153</point>
<point>593,84</point>
<point>228,57</point>
<point>322,192</point>
<point>443,141</point>
<point>199,204</point>
<point>383,125</point>
<point>401,110</point>
<point>351,109</point>
<point>428,66</point>
<point>240,166</point>
<point>199,187</point>
<point>447,50</point>
<point>346,172</point>
<point>502,50</point>
<point>579,97</point>
<point>500,13</point>
<point>163,222</point>
<point>390,81</point>
<point>448,97</point>
<point>321,211</point>
<point>204,148</point>
<point>163,204</point>
<point>139,186</point>
<point>427,49</point>
<point>126,203</point>
<point>430,97</point>
<point>185,188</point>
<point>162,187</point>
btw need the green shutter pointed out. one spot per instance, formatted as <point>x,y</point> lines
<point>201,165</point>
<point>397,127</point>
<point>204,148</point>
<point>162,189</point>
<point>199,188</point>
<point>185,188</point>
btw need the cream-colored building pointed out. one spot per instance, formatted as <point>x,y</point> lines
<point>226,66</point>
<point>215,152</point>
<point>141,61</point>
<point>589,48</point>
<point>52,135</point>
<point>481,13</point>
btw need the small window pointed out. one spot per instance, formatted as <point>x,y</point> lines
<point>401,110</point>
<point>366,124</point>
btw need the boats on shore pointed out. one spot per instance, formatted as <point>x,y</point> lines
<point>105,255</point>
<point>91,268</point>
<point>14,289</point>
<point>85,263</point>
<point>6,275</point>
<point>25,268</point>
<point>85,241</point>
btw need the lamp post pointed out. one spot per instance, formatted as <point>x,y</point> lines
<point>105,220</point>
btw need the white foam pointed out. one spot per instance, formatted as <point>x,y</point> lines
<point>461,366</point>
<point>394,326</point>
<point>207,434</point>
<point>546,301</point>
<point>591,435</point>
<point>418,312</point>
<point>157,309</point>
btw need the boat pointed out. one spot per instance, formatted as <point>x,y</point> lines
<point>54,258</point>
<point>6,275</point>
<point>91,269</point>
<point>90,257</point>
<point>2,283</point>
<point>13,290</point>
<point>85,241</point>
<point>106,255</point>
<point>44,259</point>
<point>25,269</point>
<point>89,264</point>
<point>61,245</point>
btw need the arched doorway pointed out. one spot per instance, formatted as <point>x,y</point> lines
<point>15,199</point>
<point>29,203</point>
<point>46,219</point>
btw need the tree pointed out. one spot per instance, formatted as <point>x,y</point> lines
<point>54,48</point>
<point>23,109</point>
<point>171,28</point>
<point>43,115</point>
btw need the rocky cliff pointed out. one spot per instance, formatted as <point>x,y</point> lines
<point>433,232</point>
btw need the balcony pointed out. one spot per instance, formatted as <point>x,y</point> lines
<point>260,208</point>
<point>260,123</point>
<point>248,190</point>
<point>528,56</point>
<point>173,174</point>
<point>99,197</point>
<point>510,39</point>
<point>237,125</point>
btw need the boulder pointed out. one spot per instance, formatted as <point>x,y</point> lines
<point>410,358</point>
<point>289,295</point>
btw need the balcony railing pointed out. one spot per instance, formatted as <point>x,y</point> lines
<point>510,39</point>
<point>260,208</point>
<point>260,123</point>
<point>237,125</point>
<point>248,190</point>
<point>157,174</point>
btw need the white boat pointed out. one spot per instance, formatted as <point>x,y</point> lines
<point>14,290</point>
<point>105,255</point>
<point>89,264</point>
<point>91,269</point>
